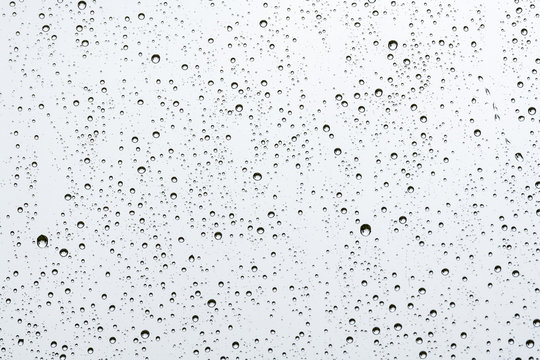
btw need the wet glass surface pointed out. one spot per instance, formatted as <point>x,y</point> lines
<point>269,180</point>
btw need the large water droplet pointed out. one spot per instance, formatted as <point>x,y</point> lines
<point>42,241</point>
<point>365,229</point>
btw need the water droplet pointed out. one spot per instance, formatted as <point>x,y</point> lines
<point>42,241</point>
<point>63,252</point>
<point>81,5</point>
<point>257,176</point>
<point>145,334</point>
<point>392,45</point>
<point>263,23</point>
<point>155,58</point>
<point>365,229</point>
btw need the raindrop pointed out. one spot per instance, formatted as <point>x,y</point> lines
<point>155,58</point>
<point>42,241</point>
<point>365,229</point>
